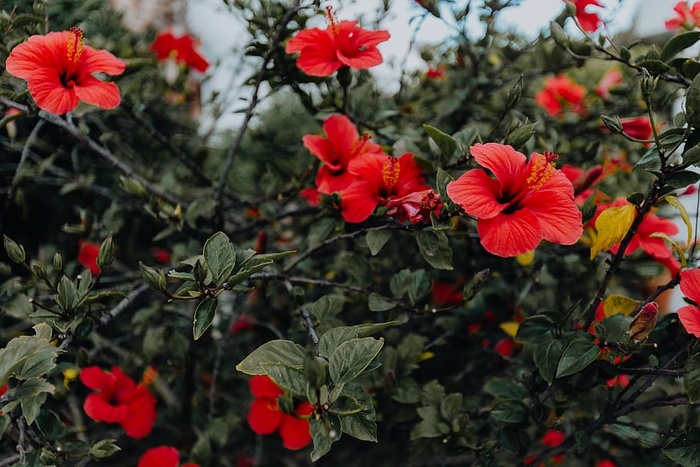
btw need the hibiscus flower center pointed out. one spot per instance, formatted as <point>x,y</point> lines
<point>332,24</point>
<point>542,170</point>
<point>75,44</point>
<point>390,176</point>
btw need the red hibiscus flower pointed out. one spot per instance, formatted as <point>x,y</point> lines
<point>525,203</point>
<point>87,256</point>
<point>58,68</point>
<point>589,21</point>
<point>686,17</point>
<point>181,49</point>
<point>119,400</point>
<point>265,416</point>
<point>638,127</point>
<point>690,314</point>
<point>378,180</point>
<point>560,93</point>
<point>415,207</point>
<point>609,80</point>
<point>583,181</point>
<point>324,51</point>
<point>644,238</point>
<point>162,456</point>
<point>341,145</point>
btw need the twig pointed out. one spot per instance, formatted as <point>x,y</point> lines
<point>306,317</point>
<point>123,304</point>
<point>26,150</point>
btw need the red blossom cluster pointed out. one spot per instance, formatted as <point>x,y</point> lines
<point>686,17</point>
<point>589,22</point>
<point>87,256</point>
<point>182,49</point>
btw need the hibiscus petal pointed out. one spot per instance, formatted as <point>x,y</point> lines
<point>327,182</point>
<point>49,94</point>
<point>690,317</point>
<point>506,164</point>
<point>558,215</point>
<point>364,59</point>
<point>323,149</point>
<point>295,432</point>
<point>263,416</point>
<point>343,135</point>
<point>141,414</point>
<point>509,235</point>
<point>308,38</point>
<point>48,51</point>
<point>98,408</point>
<point>690,284</point>
<point>558,182</point>
<point>162,456</point>
<point>98,93</point>
<point>263,386</point>
<point>477,194</point>
<point>358,202</point>
<point>100,61</point>
<point>410,176</point>
<point>96,378</point>
<point>319,61</point>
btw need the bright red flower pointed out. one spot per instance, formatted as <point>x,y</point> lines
<point>621,381</point>
<point>379,179</point>
<point>324,51</point>
<point>447,294</point>
<point>686,17</point>
<point>589,21</point>
<point>162,456</point>
<point>525,203</point>
<point>605,463</point>
<point>59,71</point>
<point>181,49</point>
<point>690,314</point>
<point>560,93</point>
<point>637,127</point>
<point>553,438</point>
<point>265,416</point>
<point>342,144</point>
<point>161,255</point>
<point>435,73</point>
<point>415,207</point>
<point>583,181</point>
<point>87,256</point>
<point>612,78</point>
<point>505,346</point>
<point>119,400</point>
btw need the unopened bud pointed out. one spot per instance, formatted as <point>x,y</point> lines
<point>570,8</point>
<point>558,34</point>
<point>514,93</point>
<point>14,250</point>
<point>613,124</point>
<point>642,324</point>
<point>520,135</point>
<point>40,272</point>
<point>57,261</point>
<point>587,179</point>
<point>475,285</point>
<point>648,83</point>
<point>106,254</point>
<point>154,278</point>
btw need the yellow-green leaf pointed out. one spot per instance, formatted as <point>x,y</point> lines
<point>619,304</point>
<point>510,327</point>
<point>676,203</point>
<point>612,226</point>
<point>675,245</point>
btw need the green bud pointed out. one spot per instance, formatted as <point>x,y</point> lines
<point>14,250</point>
<point>316,370</point>
<point>570,9</point>
<point>57,261</point>
<point>648,83</point>
<point>520,135</point>
<point>344,76</point>
<point>583,49</point>
<point>558,34</point>
<point>475,285</point>
<point>613,124</point>
<point>106,255</point>
<point>133,187</point>
<point>514,93</point>
<point>154,278</point>
<point>40,272</point>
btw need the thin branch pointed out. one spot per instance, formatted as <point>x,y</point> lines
<point>26,150</point>
<point>306,317</point>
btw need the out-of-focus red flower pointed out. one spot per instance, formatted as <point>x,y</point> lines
<point>87,256</point>
<point>505,346</point>
<point>613,163</point>
<point>119,400</point>
<point>265,416</point>
<point>525,203</point>
<point>690,314</point>
<point>323,51</point>
<point>447,294</point>
<point>162,456</point>
<point>638,128</point>
<point>583,181</point>
<point>161,255</point>
<point>621,381</point>
<point>435,73</point>
<point>379,179</point>
<point>244,322</point>
<point>610,79</point>
<point>686,17</point>
<point>589,21</point>
<point>341,145</point>
<point>182,49</point>
<point>605,463</point>
<point>561,93</point>
<point>59,71</point>
<point>3,389</point>
<point>553,438</point>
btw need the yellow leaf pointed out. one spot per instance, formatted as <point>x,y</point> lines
<point>675,245</point>
<point>510,327</point>
<point>676,203</point>
<point>616,304</point>
<point>526,259</point>
<point>426,356</point>
<point>612,226</point>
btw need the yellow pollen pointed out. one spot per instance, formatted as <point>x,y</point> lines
<point>390,172</point>
<point>149,375</point>
<point>75,43</point>
<point>331,20</point>
<point>542,170</point>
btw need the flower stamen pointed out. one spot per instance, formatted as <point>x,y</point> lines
<point>75,44</point>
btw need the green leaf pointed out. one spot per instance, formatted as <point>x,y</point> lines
<point>27,356</point>
<point>219,256</point>
<point>376,239</point>
<point>377,303</point>
<point>578,354</point>
<point>326,307</point>
<point>546,355</point>
<point>435,248</point>
<point>451,406</point>
<point>104,448</point>
<point>692,155</point>
<point>31,395</point>
<point>324,434</point>
<point>692,102</point>
<point>442,179</point>
<point>361,425</point>
<point>679,42</point>
<point>691,378</point>
<point>351,358</point>
<point>289,379</point>
<point>203,316</point>
<point>445,143</point>
<point>332,338</point>
<point>685,449</point>
<point>533,327</point>
<point>655,67</point>
<point>345,405</point>
<point>682,179</point>
<point>474,286</point>
<point>277,352</point>
<point>67,295</point>
<point>509,411</point>
<point>429,426</point>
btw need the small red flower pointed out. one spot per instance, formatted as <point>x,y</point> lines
<point>243,323</point>
<point>686,17</point>
<point>621,381</point>
<point>59,71</point>
<point>505,346</point>
<point>87,256</point>
<point>181,49</point>
<point>690,314</point>
<point>324,51</point>
<point>435,73</point>
<point>119,400</point>
<point>447,294</point>
<point>415,207</point>
<point>553,438</point>
<point>341,145</point>
<point>265,416</point>
<point>612,78</point>
<point>162,456</point>
<point>589,21</point>
<point>525,203</point>
<point>161,255</point>
<point>560,93</point>
<point>605,463</point>
<point>379,179</point>
<point>638,127</point>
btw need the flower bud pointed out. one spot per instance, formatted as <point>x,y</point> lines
<point>14,250</point>
<point>613,124</point>
<point>106,254</point>
<point>642,324</point>
<point>154,278</point>
<point>514,93</point>
<point>520,135</point>
<point>648,83</point>
<point>57,261</point>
